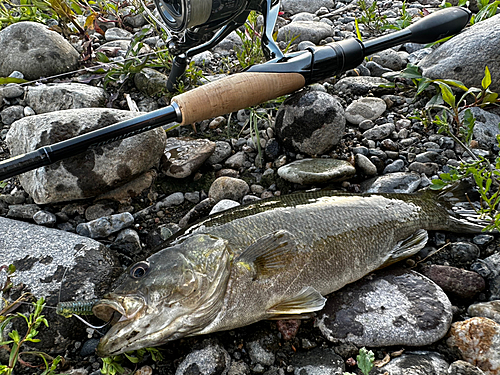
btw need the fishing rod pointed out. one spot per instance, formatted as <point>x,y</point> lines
<point>257,84</point>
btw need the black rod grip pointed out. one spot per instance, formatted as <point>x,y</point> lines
<point>24,163</point>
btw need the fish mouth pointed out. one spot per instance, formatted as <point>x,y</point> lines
<point>114,308</point>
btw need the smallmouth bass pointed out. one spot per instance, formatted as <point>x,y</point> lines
<point>275,258</point>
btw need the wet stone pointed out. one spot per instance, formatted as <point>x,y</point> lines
<point>399,182</point>
<point>313,171</point>
<point>417,363</point>
<point>387,308</point>
<point>478,341</point>
<point>185,155</point>
<point>464,368</point>
<point>318,361</point>
<point>396,166</point>
<point>489,310</point>
<point>365,165</point>
<point>213,359</point>
<point>459,282</point>
<point>45,218</point>
<point>104,226</point>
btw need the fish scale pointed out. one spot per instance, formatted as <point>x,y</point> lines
<point>274,258</point>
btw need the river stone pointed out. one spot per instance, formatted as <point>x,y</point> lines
<point>89,174</point>
<point>379,132</point>
<point>183,155</point>
<point>489,269</point>
<point>365,165</point>
<point>478,341</point>
<point>59,266</point>
<point>459,282</point>
<point>418,363</point>
<point>311,31</point>
<point>11,114</point>
<point>387,308</point>
<point>318,361</point>
<point>489,310</point>
<point>224,204</point>
<point>150,81</point>
<point>361,85</point>
<point>464,368</point>
<point>104,226</point>
<point>228,188</point>
<point>35,51</point>
<point>388,58</point>
<point>222,152</point>
<point>58,96</point>
<point>316,171</point>
<point>310,6</point>
<point>369,108</point>
<point>310,122</point>
<point>485,127</point>
<point>465,56</point>
<point>213,359</point>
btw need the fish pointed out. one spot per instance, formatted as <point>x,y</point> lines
<point>272,259</point>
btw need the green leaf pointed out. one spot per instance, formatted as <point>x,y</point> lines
<point>447,94</point>
<point>365,360</point>
<point>101,57</point>
<point>411,72</point>
<point>11,269</point>
<point>437,184</point>
<point>5,80</point>
<point>453,82</point>
<point>131,358</point>
<point>486,82</point>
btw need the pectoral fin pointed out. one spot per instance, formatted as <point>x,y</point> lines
<point>269,253</point>
<point>307,301</point>
<point>407,247</point>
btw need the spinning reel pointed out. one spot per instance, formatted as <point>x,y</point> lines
<point>194,19</point>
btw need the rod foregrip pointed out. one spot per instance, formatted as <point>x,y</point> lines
<point>235,92</point>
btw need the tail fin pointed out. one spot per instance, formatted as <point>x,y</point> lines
<point>461,202</point>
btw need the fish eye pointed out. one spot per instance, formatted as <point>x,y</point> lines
<point>139,270</point>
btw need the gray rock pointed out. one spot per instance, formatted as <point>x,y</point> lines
<point>318,361</point>
<point>114,48</point>
<point>11,91</point>
<point>463,368</point>
<point>485,127</point>
<point>297,6</point>
<point>417,56</point>
<point>35,51</point>
<point>362,109</point>
<point>314,171</point>
<point>387,308</point>
<point>457,254</point>
<point>58,266</point>
<point>259,354</point>
<point>135,21</point>
<point>365,165</point>
<point>459,59</point>
<point>237,160</point>
<point>417,363</point>
<point>430,169</point>
<point>489,310</point>
<point>104,226</point>
<point>376,70</point>
<point>213,359</point>
<point>388,58</point>
<point>200,210</point>
<point>228,188</point>
<point>379,132</point>
<point>229,43</point>
<point>58,96</point>
<point>192,196</point>
<point>150,81</point>
<point>129,239</point>
<point>11,114</point>
<point>22,211</point>
<point>302,16</point>
<point>45,218</point>
<point>396,166</point>
<point>183,156</point>
<point>361,85</point>
<point>89,174</point>
<point>203,58</point>
<point>310,122</point>
<point>98,210</point>
<point>224,204</point>
<point>117,33</point>
<point>173,199</point>
<point>304,30</point>
<point>489,269</point>
<point>222,152</point>
<point>477,341</point>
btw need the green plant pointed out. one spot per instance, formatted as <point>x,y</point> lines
<point>365,360</point>
<point>455,118</point>
<point>250,52</point>
<point>113,365</point>
<point>371,16</point>
<point>16,341</point>
<point>402,22</point>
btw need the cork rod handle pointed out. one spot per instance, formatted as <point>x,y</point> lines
<point>234,93</point>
